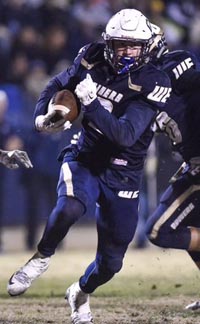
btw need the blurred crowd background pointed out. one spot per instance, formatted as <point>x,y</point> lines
<point>38,39</point>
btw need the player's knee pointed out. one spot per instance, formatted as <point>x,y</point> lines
<point>159,238</point>
<point>111,265</point>
<point>68,209</point>
<point>122,240</point>
<point>153,234</point>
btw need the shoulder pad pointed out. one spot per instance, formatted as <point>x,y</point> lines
<point>186,58</point>
<point>179,55</point>
<point>149,76</point>
<point>155,84</point>
<point>178,62</point>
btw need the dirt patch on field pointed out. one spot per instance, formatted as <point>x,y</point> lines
<point>105,311</point>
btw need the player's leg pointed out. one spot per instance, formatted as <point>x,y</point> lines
<point>116,224</point>
<point>175,222</point>
<point>72,202</point>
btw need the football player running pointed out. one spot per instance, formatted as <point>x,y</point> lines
<point>176,222</point>
<point>120,93</point>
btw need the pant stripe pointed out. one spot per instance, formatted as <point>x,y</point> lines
<point>169,212</point>
<point>67,177</point>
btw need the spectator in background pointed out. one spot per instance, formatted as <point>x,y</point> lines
<point>5,50</point>
<point>53,12</point>
<point>39,184</point>
<point>9,141</point>
<point>87,15</point>
<point>18,69</point>
<point>5,131</point>
<point>36,80</point>
<point>55,47</point>
<point>29,42</point>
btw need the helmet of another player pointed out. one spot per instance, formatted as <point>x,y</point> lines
<point>128,37</point>
<point>159,45</point>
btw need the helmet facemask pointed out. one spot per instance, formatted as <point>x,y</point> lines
<point>132,29</point>
<point>124,63</point>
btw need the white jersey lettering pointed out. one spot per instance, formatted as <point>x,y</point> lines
<point>128,194</point>
<point>159,94</point>
<point>182,67</point>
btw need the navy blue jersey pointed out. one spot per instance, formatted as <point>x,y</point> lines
<point>183,106</point>
<point>116,126</point>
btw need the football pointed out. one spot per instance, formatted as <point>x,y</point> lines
<point>65,105</point>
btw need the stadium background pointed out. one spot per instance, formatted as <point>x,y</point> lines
<point>38,39</point>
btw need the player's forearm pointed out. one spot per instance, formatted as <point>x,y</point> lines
<point>117,131</point>
<point>41,107</point>
<point>57,83</point>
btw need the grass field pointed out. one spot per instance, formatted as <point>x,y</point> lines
<point>153,287</point>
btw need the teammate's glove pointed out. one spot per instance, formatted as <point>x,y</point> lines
<point>13,159</point>
<point>86,90</point>
<point>167,125</point>
<point>43,124</point>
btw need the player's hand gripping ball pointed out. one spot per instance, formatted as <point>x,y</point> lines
<point>65,106</point>
<point>62,111</point>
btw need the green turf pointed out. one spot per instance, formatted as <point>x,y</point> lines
<point>152,288</point>
<point>149,273</point>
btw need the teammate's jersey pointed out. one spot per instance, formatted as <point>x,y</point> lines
<point>116,127</point>
<point>184,104</point>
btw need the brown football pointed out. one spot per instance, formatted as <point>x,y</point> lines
<point>65,105</point>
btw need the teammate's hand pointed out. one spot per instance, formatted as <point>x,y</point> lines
<point>43,124</point>
<point>163,123</point>
<point>86,90</point>
<point>13,159</point>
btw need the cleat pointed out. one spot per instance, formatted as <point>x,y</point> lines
<point>193,306</point>
<point>79,303</point>
<point>22,279</point>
